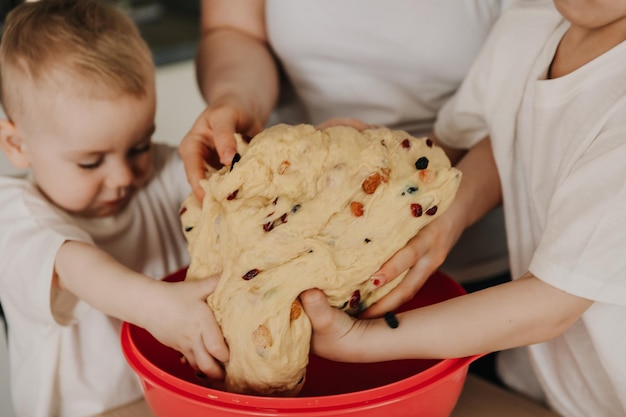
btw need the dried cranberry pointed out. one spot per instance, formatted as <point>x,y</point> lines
<point>232,195</point>
<point>431,211</point>
<point>182,211</point>
<point>416,210</point>
<point>406,144</point>
<point>268,226</point>
<point>250,274</point>
<point>355,299</point>
<point>421,163</point>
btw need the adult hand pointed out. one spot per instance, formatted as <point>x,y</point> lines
<point>184,321</point>
<point>214,132</point>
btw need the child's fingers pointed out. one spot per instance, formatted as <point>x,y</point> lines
<point>317,308</point>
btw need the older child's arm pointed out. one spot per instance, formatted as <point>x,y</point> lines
<point>478,193</point>
<point>175,313</point>
<point>518,313</point>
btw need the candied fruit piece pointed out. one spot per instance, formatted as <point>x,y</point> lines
<point>262,337</point>
<point>427,175</point>
<point>356,208</point>
<point>296,310</point>
<point>284,167</point>
<point>371,183</point>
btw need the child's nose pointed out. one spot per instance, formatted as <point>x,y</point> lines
<point>121,175</point>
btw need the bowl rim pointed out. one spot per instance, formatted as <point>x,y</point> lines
<point>388,393</point>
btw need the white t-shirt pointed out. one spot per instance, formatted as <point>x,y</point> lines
<point>560,147</point>
<point>388,63</point>
<point>65,356</point>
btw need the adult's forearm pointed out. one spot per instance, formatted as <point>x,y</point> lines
<point>230,63</point>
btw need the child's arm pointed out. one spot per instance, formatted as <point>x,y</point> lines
<point>478,193</point>
<point>175,313</point>
<point>518,313</point>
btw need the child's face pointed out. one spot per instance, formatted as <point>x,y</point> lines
<point>90,156</point>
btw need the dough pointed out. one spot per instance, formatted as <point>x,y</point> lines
<point>306,208</point>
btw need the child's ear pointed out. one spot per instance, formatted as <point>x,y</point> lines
<point>12,145</point>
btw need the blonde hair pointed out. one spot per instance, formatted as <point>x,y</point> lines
<point>94,42</point>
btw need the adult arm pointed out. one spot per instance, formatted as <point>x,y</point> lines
<point>238,78</point>
<point>175,313</point>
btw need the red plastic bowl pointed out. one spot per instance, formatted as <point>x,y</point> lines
<point>425,388</point>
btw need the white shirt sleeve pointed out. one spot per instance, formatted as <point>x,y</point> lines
<point>32,233</point>
<point>582,248</point>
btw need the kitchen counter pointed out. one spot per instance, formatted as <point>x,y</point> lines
<point>478,399</point>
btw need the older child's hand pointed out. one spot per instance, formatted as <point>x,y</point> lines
<point>183,320</point>
<point>335,333</point>
<point>423,255</point>
<point>212,132</point>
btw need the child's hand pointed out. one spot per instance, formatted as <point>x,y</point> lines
<point>214,131</point>
<point>181,318</point>
<point>423,255</point>
<point>335,333</point>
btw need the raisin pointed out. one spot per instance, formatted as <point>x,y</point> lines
<point>356,208</point>
<point>250,274</point>
<point>295,208</point>
<point>406,144</point>
<point>270,225</point>
<point>232,195</point>
<point>416,210</point>
<point>429,142</point>
<point>236,159</point>
<point>367,240</point>
<point>371,183</point>
<point>421,163</point>
<point>188,229</point>
<point>275,201</point>
<point>431,211</point>
<point>355,299</point>
<point>411,190</point>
